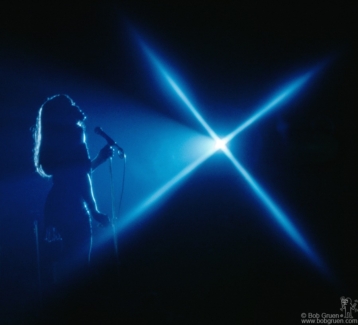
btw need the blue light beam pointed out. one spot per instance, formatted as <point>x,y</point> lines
<point>149,202</point>
<point>278,215</point>
<point>178,91</point>
<point>288,91</point>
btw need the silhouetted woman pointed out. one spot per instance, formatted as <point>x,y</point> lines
<point>61,153</point>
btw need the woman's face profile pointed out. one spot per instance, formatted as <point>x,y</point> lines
<point>74,117</point>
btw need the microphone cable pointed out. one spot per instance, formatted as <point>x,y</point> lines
<point>115,214</point>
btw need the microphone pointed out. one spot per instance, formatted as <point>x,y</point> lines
<point>98,130</point>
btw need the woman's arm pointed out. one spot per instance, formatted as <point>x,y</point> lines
<point>105,153</point>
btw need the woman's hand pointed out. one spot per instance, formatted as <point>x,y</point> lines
<point>106,152</point>
<point>101,218</point>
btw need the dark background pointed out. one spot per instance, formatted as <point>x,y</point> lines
<point>209,255</point>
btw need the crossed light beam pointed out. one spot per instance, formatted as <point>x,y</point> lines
<point>275,212</point>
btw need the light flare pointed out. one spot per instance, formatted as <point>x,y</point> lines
<point>220,144</point>
<point>162,191</point>
<point>164,72</point>
<point>288,91</point>
<point>277,214</point>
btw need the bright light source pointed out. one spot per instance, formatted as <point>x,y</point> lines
<point>220,144</point>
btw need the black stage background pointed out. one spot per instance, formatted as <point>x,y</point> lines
<point>209,255</point>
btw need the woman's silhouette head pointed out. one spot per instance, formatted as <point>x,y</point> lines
<point>58,123</point>
<point>60,110</point>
